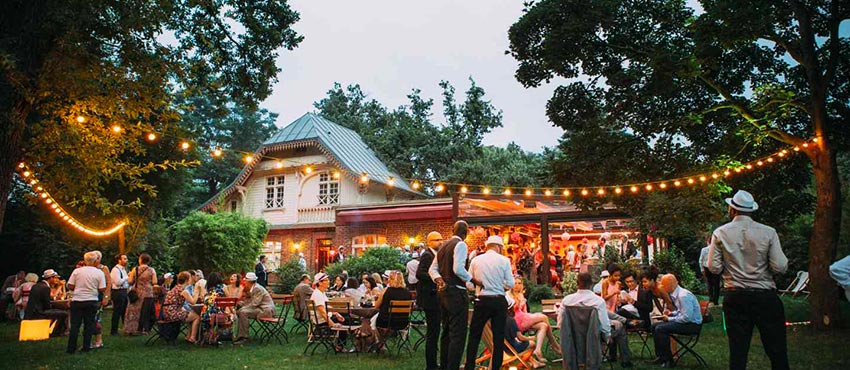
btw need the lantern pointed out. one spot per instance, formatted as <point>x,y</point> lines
<point>565,236</point>
<point>35,330</point>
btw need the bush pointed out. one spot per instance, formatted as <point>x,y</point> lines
<point>536,292</point>
<point>570,283</point>
<point>289,273</point>
<point>672,261</point>
<point>378,259</point>
<point>225,241</point>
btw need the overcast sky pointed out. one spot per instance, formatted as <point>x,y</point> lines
<point>390,47</point>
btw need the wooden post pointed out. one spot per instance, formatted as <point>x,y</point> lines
<point>121,247</point>
<point>544,247</point>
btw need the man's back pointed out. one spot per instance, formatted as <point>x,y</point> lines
<point>747,253</point>
<point>38,302</point>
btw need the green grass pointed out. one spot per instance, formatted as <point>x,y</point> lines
<point>807,350</point>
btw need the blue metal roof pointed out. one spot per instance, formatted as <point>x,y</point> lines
<point>345,144</point>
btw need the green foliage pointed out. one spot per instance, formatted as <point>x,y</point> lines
<point>221,242</point>
<point>672,261</point>
<point>289,273</point>
<point>569,284</point>
<point>378,259</point>
<point>535,292</point>
<point>157,243</point>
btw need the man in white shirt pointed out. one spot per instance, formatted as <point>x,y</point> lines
<point>301,261</point>
<point>411,268</point>
<point>612,331</point>
<point>712,280</point>
<point>491,274</point>
<point>747,254</point>
<point>119,291</point>
<point>320,300</point>
<point>86,282</point>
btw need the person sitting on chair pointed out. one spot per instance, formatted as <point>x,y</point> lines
<point>39,306</point>
<point>258,304</point>
<point>686,319</point>
<point>519,342</point>
<point>395,291</point>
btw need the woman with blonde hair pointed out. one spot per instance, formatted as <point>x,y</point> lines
<point>395,291</point>
<point>22,293</point>
<point>379,283</point>
<point>526,321</point>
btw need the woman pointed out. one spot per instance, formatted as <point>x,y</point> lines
<point>611,288</point>
<point>396,291</point>
<point>140,314</point>
<point>379,283</point>
<point>210,312</point>
<point>234,286</point>
<point>172,307</point>
<point>537,321</point>
<point>371,286</point>
<point>97,338</point>
<point>339,284</point>
<point>57,290</point>
<point>22,294</point>
<point>351,290</point>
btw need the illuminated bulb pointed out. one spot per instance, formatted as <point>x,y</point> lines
<point>54,206</point>
<point>249,158</point>
<point>702,178</point>
<point>216,152</point>
<point>61,213</point>
<point>416,185</point>
<point>48,201</point>
<point>796,148</point>
<point>440,188</point>
<point>26,173</point>
<point>634,189</point>
<point>308,170</point>
<point>618,191</point>
<point>184,145</point>
<point>690,181</point>
<point>411,240</point>
<point>648,187</point>
<point>463,189</point>
<point>507,192</point>
<point>391,182</point>
<point>677,183</point>
<point>81,119</point>
<point>151,136</point>
<point>39,188</point>
<point>805,145</point>
<point>116,129</point>
<point>759,163</point>
<point>528,192</point>
<point>749,166</point>
<point>714,175</point>
<point>770,159</point>
<point>784,151</point>
<point>548,193</point>
<point>600,192</point>
<point>66,218</point>
<point>57,210</point>
<point>486,191</point>
<point>566,193</point>
<point>336,173</point>
<point>364,178</point>
<point>781,154</point>
<point>44,195</point>
<point>33,181</point>
<point>815,140</point>
<point>662,185</point>
<point>584,192</point>
<point>738,170</point>
<point>21,165</point>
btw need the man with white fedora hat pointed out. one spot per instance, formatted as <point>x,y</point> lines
<point>747,254</point>
<point>258,304</point>
<point>491,274</point>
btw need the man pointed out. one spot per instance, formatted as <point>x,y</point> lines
<point>491,273</point>
<point>629,298</point>
<point>612,331</point>
<point>9,285</point>
<point>300,295</point>
<point>712,280</point>
<point>449,272</point>
<point>340,254</point>
<point>86,282</point>
<point>427,300</point>
<point>38,306</point>
<point>119,291</point>
<point>412,266</point>
<point>747,253</point>
<point>258,304</point>
<point>686,319</point>
<point>840,272</point>
<point>261,272</point>
<point>301,261</point>
<point>323,318</point>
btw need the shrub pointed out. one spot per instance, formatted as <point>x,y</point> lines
<point>672,261</point>
<point>536,292</point>
<point>378,259</point>
<point>225,241</point>
<point>290,274</point>
<point>570,283</point>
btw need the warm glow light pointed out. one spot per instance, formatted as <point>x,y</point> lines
<point>44,195</point>
<point>796,148</point>
<point>805,145</point>
<point>308,170</point>
<point>781,154</point>
<point>39,189</point>
<point>439,188</point>
<point>677,183</point>
<point>411,240</point>
<point>33,181</point>
<point>249,158</point>
<point>714,175</point>
<point>184,145</point>
<point>618,191</point>
<point>48,201</point>
<point>278,164</point>
<point>416,185</point>
<point>296,246</point>
<point>738,170</point>
<point>486,191</point>
<point>690,181</point>
<point>463,189</point>
<point>26,173</point>
<point>566,193</point>
<point>364,178</point>
<point>54,206</point>
<point>507,192</point>
<point>336,173</point>
<point>217,152</point>
<point>648,187</point>
<point>759,163</point>
<point>81,119</point>
<point>749,166</point>
<point>21,165</point>
<point>528,192</point>
<point>547,193</point>
<point>116,129</point>
<point>784,151</point>
<point>151,136</point>
<point>770,159</point>
<point>600,191</point>
<point>726,173</point>
<point>584,192</point>
<point>702,178</point>
<point>815,140</point>
<point>662,185</point>
<point>634,189</point>
<point>391,182</point>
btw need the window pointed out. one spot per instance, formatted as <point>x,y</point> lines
<point>274,191</point>
<point>328,189</point>
<point>272,252</point>
<point>233,206</point>
<point>360,243</point>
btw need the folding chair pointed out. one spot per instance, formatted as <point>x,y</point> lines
<point>399,327</point>
<point>275,327</point>
<point>511,355</point>
<point>798,285</point>
<point>342,306</point>
<point>644,336</point>
<point>222,304</point>
<point>302,319</point>
<point>419,326</point>
<point>578,334</point>
<point>687,342</point>
<point>318,335</point>
<point>165,330</point>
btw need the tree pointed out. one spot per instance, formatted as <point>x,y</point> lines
<point>754,75</point>
<point>71,71</point>
<point>224,241</point>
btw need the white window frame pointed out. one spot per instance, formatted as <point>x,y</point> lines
<point>271,249</point>
<point>360,243</point>
<point>328,189</point>
<point>274,191</point>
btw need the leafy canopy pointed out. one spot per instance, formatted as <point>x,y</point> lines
<point>225,241</point>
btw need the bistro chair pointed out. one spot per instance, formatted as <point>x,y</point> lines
<point>419,326</point>
<point>302,319</point>
<point>342,306</point>
<point>644,335</point>
<point>687,342</point>
<point>398,331</point>
<point>275,327</point>
<point>318,335</point>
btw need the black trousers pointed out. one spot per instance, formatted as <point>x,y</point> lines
<point>454,306</point>
<point>661,336</point>
<point>432,336</point>
<point>119,307</point>
<point>495,310</point>
<point>82,313</point>
<point>764,310</point>
<point>60,316</point>
<point>712,281</point>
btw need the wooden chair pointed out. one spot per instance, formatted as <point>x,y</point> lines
<point>798,285</point>
<point>275,327</point>
<point>510,357</point>
<point>318,335</point>
<point>399,327</point>
<point>302,320</point>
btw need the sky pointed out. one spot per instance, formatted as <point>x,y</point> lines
<point>390,47</point>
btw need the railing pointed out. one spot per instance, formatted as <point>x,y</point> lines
<point>316,215</point>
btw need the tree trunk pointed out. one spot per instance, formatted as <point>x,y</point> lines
<point>12,123</point>
<point>822,246</point>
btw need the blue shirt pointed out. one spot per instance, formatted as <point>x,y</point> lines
<point>459,268</point>
<point>687,307</point>
<point>511,330</point>
<point>493,270</point>
<point>191,289</point>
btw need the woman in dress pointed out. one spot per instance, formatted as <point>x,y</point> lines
<point>210,311</point>
<point>140,314</point>
<point>378,283</point>
<point>372,289</point>
<point>22,293</point>
<point>526,321</point>
<point>172,307</point>
<point>234,287</point>
<point>611,287</point>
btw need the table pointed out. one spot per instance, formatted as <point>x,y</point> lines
<point>364,312</point>
<point>63,304</point>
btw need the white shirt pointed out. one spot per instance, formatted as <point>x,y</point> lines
<point>840,272</point>
<point>493,270</point>
<point>586,298</point>
<point>703,257</point>
<point>746,253</point>
<point>87,280</point>
<point>319,299</point>
<point>119,277</point>
<point>412,265</point>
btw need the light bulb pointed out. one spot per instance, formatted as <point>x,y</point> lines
<point>486,191</point>
<point>439,188</point>
<point>770,159</point>
<point>634,189</point>
<point>677,183</point>
<point>184,145</point>
<point>391,182</point>
<point>27,173</point>
<point>416,185</point>
<point>566,193</point>
<point>308,170</point>
<point>618,190</point>
<point>217,152</point>
<point>662,185</point>
<point>81,119</point>
<point>584,192</point>
<point>116,129</point>
<point>464,189</point>
<point>690,181</point>
<point>759,163</point>
<point>547,193</point>
<point>364,178</point>
<point>336,173</point>
<point>528,192</point>
<point>151,136</point>
<point>600,192</point>
<point>702,178</point>
<point>648,187</point>
<point>507,192</point>
<point>249,158</point>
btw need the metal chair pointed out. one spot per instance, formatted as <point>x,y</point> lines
<point>644,336</point>
<point>419,326</point>
<point>399,327</point>
<point>318,335</point>
<point>275,327</point>
<point>302,319</point>
<point>687,342</point>
<point>342,306</point>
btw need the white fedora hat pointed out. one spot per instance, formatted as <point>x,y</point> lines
<point>743,201</point>
<point>495,239</point>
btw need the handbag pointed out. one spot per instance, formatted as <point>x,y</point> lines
<point>133,295</point>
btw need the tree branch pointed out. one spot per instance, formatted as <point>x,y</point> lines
<point>794,53</point>
<point>834,43</point>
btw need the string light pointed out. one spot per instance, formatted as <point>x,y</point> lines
<point>662,185</point>
<point>648,187</point>
<point>507,192</point>
<point>22,165</point>
<point>416,185</point>
<point>703,178</point>
<point>584,192</point>
<point>528,192</point>
<point>216,152</point>
<point>439,188</point>
<point>677,183</point>
<point>600,192</point>
<point>770,159</point>
<point>364,178</point>
<point>566,192</point>
<point>464,189</point>
<point>184,145</point>
<point>336,173</point>
<point>26,174</point>
<point>618,190</point>
<point>81,119</point>
<point>634,189</point>
<point>547,192</point>
<point>308,170</point>
<point>151,136</point>
<point>116,129</point>
<point>486,191</point>
<point>390,181</point>
<point>691,181</point>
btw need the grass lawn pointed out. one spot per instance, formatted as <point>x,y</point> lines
<point>807,350</point>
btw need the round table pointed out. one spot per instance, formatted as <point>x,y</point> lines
<point>364,312</point>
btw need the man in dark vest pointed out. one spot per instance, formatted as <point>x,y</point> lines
<point>427,300</point>
<point>451,276</point>
<point>262,272</point>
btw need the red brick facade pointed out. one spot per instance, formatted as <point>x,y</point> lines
<point>306,239</point>
<point>397,232</point>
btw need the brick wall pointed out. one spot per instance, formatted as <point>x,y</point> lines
<point>307,240</point>
<point>397,232</point>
